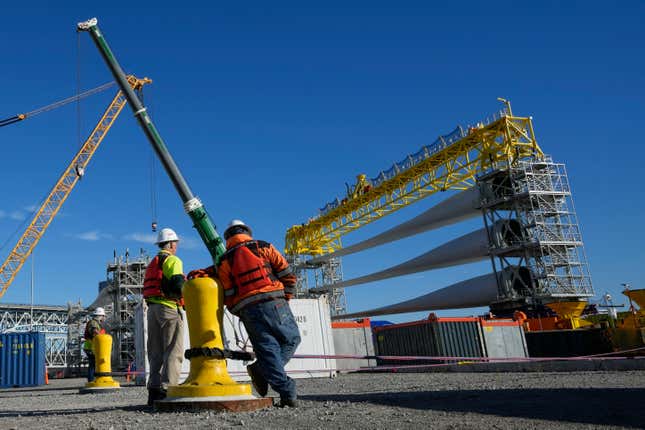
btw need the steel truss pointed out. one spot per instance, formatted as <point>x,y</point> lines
<point>546,261</point>
<point>329,271</point>
<point>445,165</point>
<point>51,320</point>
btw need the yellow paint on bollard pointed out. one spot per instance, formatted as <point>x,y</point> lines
<point>102,345</point>
<point>208,376</point>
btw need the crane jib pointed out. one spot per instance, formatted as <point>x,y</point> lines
<point>61,190</point>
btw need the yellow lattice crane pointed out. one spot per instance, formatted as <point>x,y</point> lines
<point>65,184</point>
<point>450,163</point>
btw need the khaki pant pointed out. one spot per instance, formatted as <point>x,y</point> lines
<point>165,345</point>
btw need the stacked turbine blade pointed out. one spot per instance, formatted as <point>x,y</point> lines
<point>478,291</point>
<point>468,248</point>
<point>460,207</point>
<point>474,292</point>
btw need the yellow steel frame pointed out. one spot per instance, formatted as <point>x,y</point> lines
<point>52,204</point>
<point>453,168</point>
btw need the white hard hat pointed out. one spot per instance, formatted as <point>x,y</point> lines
<point>235,223</point>
<point>99,312</point>
<point>166,235</point>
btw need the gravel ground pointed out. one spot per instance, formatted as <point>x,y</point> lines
<point>362,401</point>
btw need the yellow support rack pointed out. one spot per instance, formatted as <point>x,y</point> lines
<point>503,141</point>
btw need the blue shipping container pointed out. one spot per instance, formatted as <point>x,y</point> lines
<point>22,359</point>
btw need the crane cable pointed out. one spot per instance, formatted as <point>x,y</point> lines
<point>153,193</point>
<point>78,88</point>
<point>153,174</point>
<point>57,104</point>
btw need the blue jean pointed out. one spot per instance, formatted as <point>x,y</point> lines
<point>274,334</point>
<point>91,365</point>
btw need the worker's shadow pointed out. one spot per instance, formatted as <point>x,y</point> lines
<point>601,406</point>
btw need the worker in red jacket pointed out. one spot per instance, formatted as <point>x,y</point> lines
<point>258,283</point>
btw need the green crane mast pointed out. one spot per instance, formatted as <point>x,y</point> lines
<point>193,206</point>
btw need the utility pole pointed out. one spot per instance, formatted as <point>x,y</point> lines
<point>31,311</point>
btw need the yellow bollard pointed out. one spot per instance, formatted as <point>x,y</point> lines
<point>208,376</point>
<point>102,345</point>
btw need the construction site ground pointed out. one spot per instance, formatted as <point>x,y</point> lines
<point>450,400</point>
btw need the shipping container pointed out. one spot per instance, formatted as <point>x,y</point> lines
<point>314,323</point>
<point>568,343</point>
<point>451,337</point>
<point>22,359</point>
<point>504,338</point>
<point>433,337</point>
<point>353,338</point>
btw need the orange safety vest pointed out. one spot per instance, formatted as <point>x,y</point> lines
<point>154,279</point>
<point>251,276</point>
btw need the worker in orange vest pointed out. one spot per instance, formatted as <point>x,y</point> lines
<point>93,327</point>
<point>258,283</point>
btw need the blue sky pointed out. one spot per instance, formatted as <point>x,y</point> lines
<point>269,109</point>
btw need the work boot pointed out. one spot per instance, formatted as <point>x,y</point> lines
<point>287,403</point>
<point>155,394</point>
<point>259,383</point>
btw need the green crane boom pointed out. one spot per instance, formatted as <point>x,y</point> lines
<point>192,204</point>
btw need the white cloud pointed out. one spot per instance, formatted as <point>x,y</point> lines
<point>151,238</point>
<point>189,243</point>
<point>17,215</point>
<point>147,238</point>
<point>14,215</point>
<point>93,235</point>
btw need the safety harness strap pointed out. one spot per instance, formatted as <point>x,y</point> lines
<point>219,354</point>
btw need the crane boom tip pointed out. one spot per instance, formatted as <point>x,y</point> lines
<point>86,25</point>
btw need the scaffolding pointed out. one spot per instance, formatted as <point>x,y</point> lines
<point>76,320</point>
<point>125,281</point>
<point>330,271</point>
<point>545,261</point>
<point>119,294</point>
<point>298,264</point>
